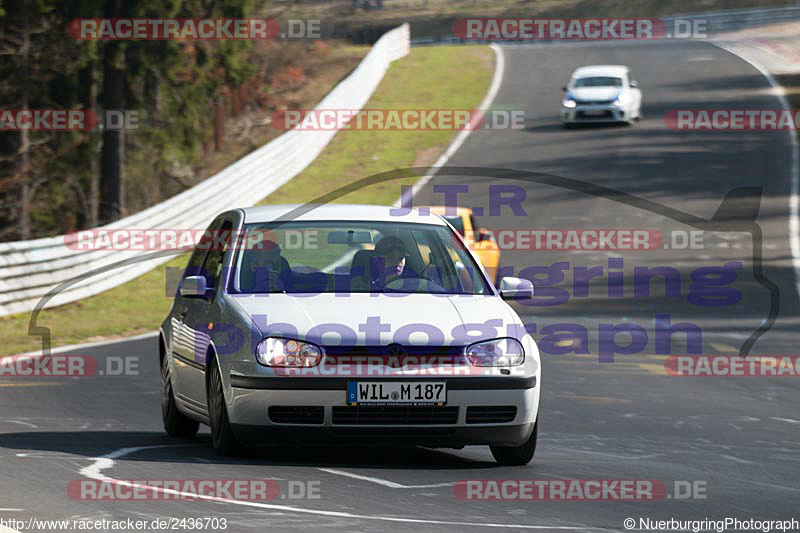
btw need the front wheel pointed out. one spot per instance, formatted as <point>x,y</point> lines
<point>517,455</point>
<point>222,439</point>
<point>176,423</point>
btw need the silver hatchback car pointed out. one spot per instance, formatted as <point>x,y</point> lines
<point>347,323</point>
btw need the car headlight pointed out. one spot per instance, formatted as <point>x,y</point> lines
<point>275,351</point>
<point>618,102</point>
<point>569,103</point>
<point>496,352</point>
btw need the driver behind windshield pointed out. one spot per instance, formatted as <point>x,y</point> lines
<point>388,262</point>
<point>263,268</point>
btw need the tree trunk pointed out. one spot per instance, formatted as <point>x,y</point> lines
<point>23,156</point>
<point>88,86</point>
<point>113,155</point>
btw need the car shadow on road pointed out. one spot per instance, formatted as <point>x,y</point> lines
<point>554,127</point>
<point>158,447</point>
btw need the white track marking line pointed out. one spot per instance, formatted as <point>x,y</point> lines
<point>384,482</point>
<point>737,460</point>
<point>20,422</point>
<point>794,198</point>
<point>94,471</point>
<point>789,420</point>
<point>494,87</point>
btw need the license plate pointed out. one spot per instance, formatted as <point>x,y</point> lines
<point>396,393</point>
<point>594,112</point>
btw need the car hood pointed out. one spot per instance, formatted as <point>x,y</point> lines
<point>381,319</point>
<point>595,94</point>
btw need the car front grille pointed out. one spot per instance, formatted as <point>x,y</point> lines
<point>584,116</point>
<point>394,415</point>
<point>491,414</point>
<point>396,355</point>
<point>296,414</point>
<point>394,349</point>
<point>594,102</point>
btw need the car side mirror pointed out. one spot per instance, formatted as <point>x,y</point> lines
<point>634,84</point>
<point>194,287</point>
<point>516,289</point>
<point>564,88</point>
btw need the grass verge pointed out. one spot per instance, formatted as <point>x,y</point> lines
<point>454,77</point>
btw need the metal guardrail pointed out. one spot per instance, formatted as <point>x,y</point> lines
<point>716,22</point>
<point>740,19</point>
<point>29,269</point>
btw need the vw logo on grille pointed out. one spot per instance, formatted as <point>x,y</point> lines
<point>396,349</point>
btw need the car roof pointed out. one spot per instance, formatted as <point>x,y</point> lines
<point>600,70</point>
<point>337,212</point>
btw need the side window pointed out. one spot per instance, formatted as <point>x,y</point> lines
<point>193,266</point>
<point>212,266</point>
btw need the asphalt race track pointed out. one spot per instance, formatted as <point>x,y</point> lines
<point>738,438</point>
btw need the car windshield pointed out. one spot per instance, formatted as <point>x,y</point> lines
<point>598,81</point>
<point>342,257</point>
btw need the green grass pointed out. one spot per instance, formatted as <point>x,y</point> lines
<point>429,78</point>
<point>444,77</point>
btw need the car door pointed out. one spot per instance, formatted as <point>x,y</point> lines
<point>198,319</point>
<point>181,338</point>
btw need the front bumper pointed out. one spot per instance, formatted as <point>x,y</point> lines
<point>251,399</point>
<point>587,113</point>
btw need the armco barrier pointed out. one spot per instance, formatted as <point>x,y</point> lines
<point>29,269</point>
<point>738,19</point>
<point>713,23</point>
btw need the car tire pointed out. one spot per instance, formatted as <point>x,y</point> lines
<point>176,423</point>
<point>222,438</point>
<point>517,455</point>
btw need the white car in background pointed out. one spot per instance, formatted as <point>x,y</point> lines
<point>601,93</point>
